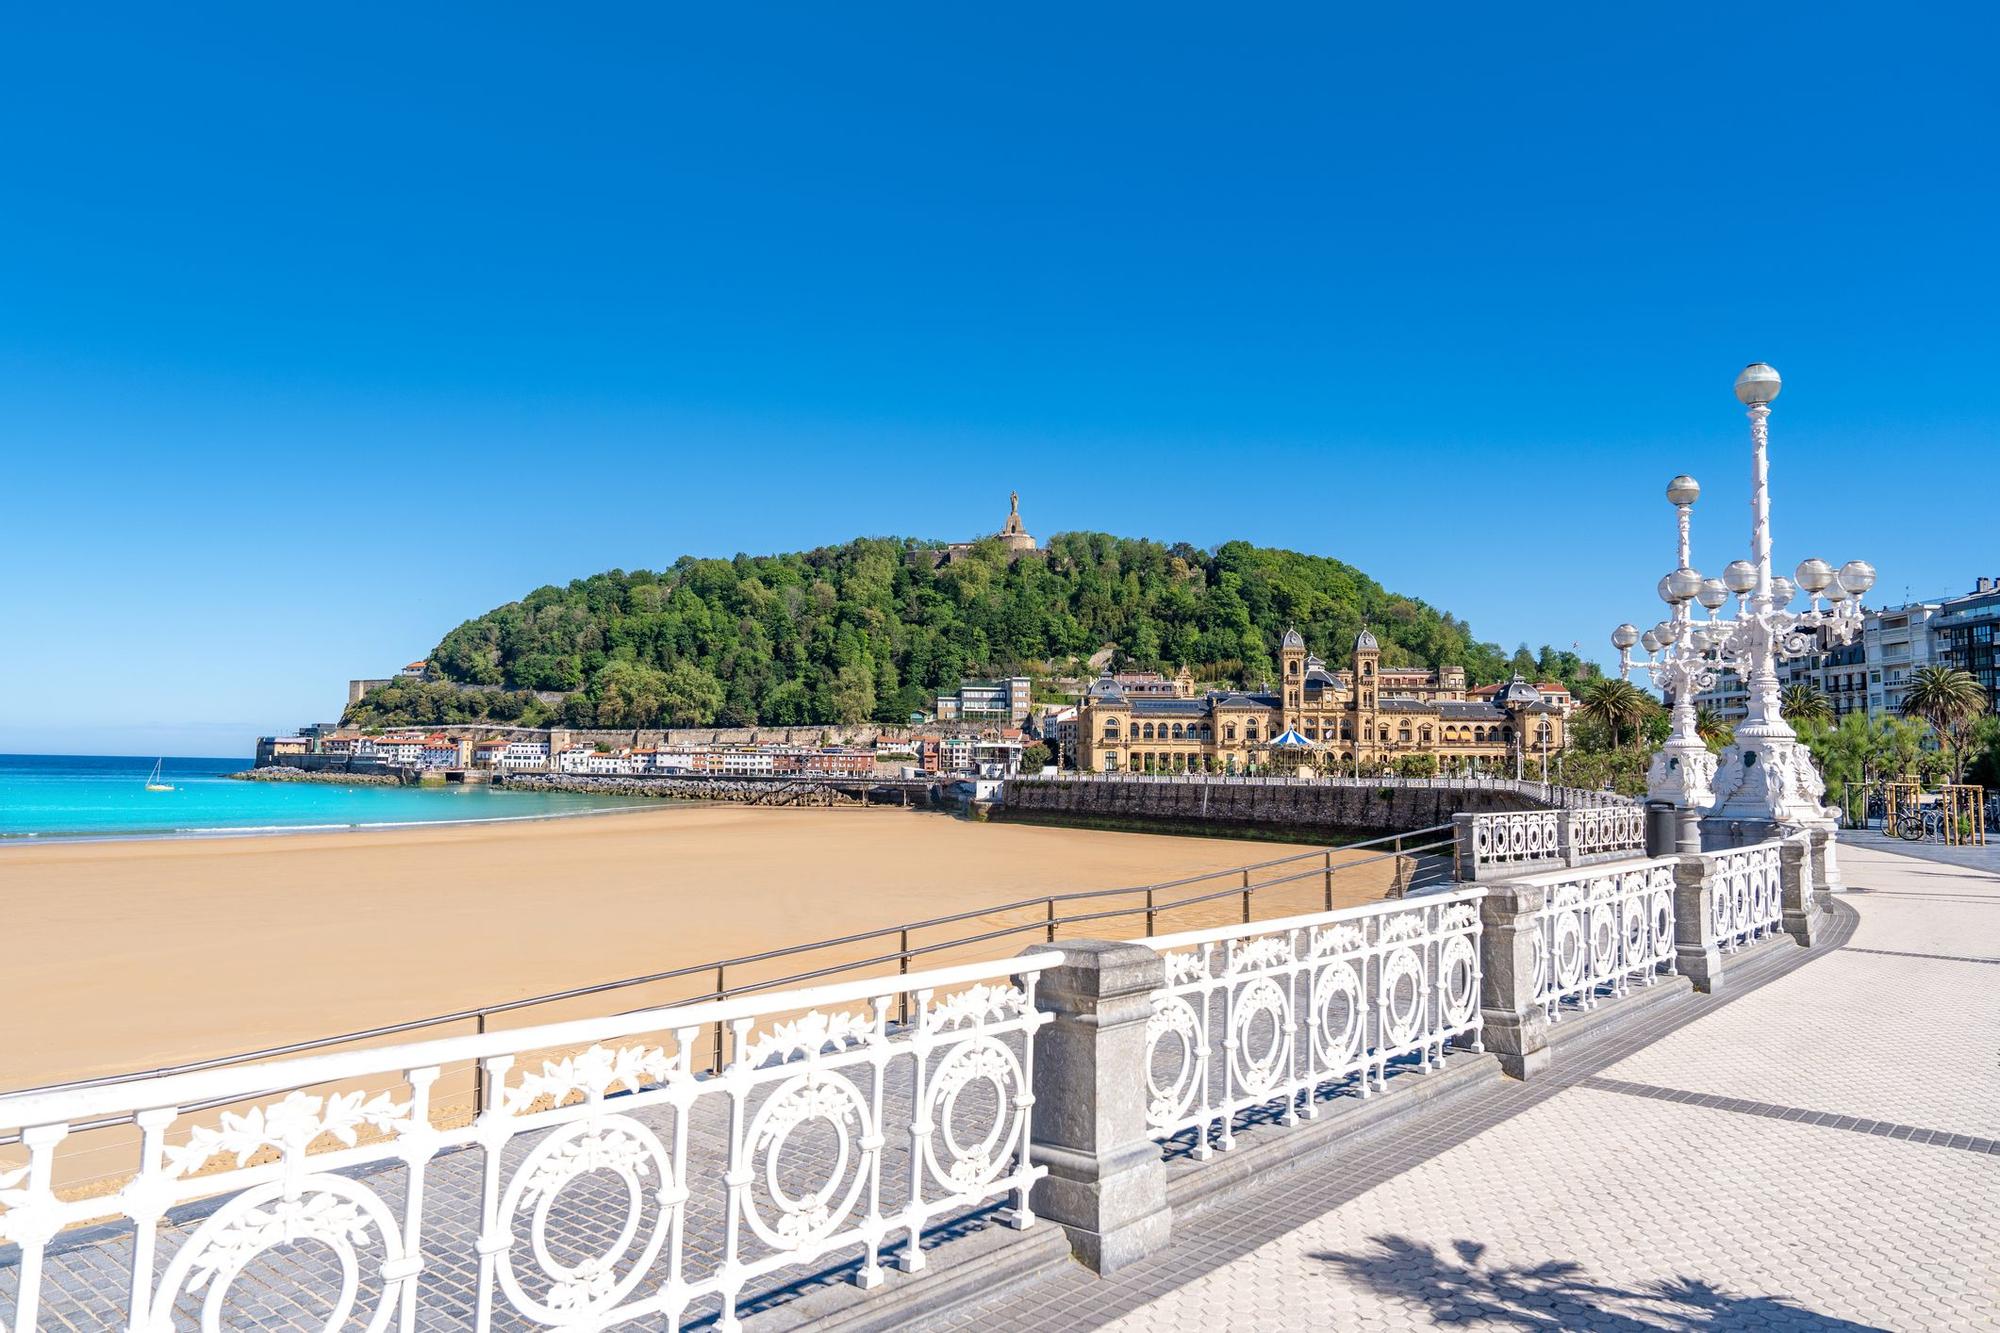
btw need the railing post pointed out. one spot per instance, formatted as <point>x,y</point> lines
<point>1513,1022</point>
<point>1052,920</point>
<point>721,993</point>
<point>1329,880</point>
<point>1246,897</point>
<point>479,1070</point>
<point>1697,953</point>
<point>1464,862</point>
<point>1572,855</point>
<point>1149,911</point>
<point>1801,913</point>
<point>1107,1183</point>
<point>903,970</point>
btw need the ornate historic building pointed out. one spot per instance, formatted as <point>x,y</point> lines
<point>1364,717</point>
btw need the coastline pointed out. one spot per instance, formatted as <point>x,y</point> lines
<point>58,839</point>
<point>150,951</point>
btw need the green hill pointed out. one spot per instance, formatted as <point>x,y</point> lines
<point>871,630</point>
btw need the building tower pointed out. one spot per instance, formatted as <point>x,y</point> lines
<point>1367,661</point>
<point>1291,677</point>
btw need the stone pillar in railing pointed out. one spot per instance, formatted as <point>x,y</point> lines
<point>1566,837</point>
<point>1796,880</point>
<point>1513,1023</point>
<point>1106,1184</point>
<point>1697,953</point>
<point>1826,864</point>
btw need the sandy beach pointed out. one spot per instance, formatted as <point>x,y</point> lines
<point>130,955</point>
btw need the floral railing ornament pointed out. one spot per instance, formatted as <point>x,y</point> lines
<point>326,1184</point>
<point>1598,935</point>
<point>1272,1014</point>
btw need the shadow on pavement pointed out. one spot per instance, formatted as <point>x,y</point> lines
<point>1556,1294</point>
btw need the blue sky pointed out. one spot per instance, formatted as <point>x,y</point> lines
<point>320,332</point>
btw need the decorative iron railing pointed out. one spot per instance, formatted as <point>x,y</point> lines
<point>1516,841</point>
<point>1270,1015</point>
<point>1598,935</point>
<point>1746,903</point>
<point>1545,794</point>
<point>606,1180</point>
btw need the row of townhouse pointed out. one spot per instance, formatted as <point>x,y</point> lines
<point>434,750</point>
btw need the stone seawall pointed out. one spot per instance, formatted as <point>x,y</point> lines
<point>1306,807</point>
<point>739,791</point>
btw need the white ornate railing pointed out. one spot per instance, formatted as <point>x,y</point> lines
<point>1545,793</point>
<point>1597,935</point>
<point>1746,902</point>
<point>1503,843</point>
<point>1269,1014</point>
<point>610,1182</point>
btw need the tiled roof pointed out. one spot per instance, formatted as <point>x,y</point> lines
<point>1470,711</point>
<point>1148,705</point>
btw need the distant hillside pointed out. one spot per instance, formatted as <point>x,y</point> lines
<point>871,630</point>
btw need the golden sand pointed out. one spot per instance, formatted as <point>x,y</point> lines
<point>130,955</point>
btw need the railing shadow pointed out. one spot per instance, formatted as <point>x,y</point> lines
<point>1461,1288</point>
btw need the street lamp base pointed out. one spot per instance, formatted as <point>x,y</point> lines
<point>1768,777</point>
<point>1683,772</point>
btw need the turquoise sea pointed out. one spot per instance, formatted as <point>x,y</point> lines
<point>91,796</point>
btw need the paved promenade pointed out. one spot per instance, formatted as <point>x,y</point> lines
<point>1817,1148</point>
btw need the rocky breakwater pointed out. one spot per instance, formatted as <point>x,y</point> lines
<point>812,791</point>
<point>280,773</point>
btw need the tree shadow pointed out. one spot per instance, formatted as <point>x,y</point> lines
<point>1556,1294</point>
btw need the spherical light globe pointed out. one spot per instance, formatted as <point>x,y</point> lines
<point>1685,584</point>
<point>1714,592</point>
<point>1683,490</point>
<point>1757,384</point>
<point>1625,636</point>
<point>1837,594</point>
<point>1667,631</point>
<point>1814,574</point>
<point>1739,576</point>
<point>1782,592</point>
<point>1857,576</point>
<point>1649,642</point>
<point>1666,588</point>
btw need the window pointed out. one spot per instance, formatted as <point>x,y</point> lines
<point>1148,732</point>
<point>1229,732</point>
<point>1178,734</point>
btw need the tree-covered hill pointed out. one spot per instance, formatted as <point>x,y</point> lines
<point>871,630</point>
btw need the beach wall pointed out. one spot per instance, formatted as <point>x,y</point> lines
<point>813,790</point>
<point>1302,807</point>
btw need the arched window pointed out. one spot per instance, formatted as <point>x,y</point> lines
<point>1148,733</point>
<point>1292,668</point>
<point>1506,733</point>
<point>1111,729</point>
<point>1178,732</point>
<point>1250,730</point>
<point>1367,668</point>
<point>1403,733</point>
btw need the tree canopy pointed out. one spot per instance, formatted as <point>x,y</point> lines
<point>876,628</point>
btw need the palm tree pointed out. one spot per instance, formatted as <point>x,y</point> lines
<point>1803,702</point>
<point>1947,699</point>
<point>1616,705</point>
<point>1714,729</point>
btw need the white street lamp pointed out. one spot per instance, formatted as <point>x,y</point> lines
<point>1766,774</point>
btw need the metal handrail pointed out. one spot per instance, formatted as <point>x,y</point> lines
<point>1049,923</point>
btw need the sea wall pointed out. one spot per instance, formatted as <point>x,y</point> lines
<point>341,774</point>
<point>1305,806</point>
<point>789,791</point>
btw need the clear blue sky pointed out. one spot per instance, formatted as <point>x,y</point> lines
<point>322,330</point>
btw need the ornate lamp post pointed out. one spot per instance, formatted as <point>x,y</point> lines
<point>1766,774</point>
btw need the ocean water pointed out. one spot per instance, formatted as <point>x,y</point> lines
<point>90,796</point>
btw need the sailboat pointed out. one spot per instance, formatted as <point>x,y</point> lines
<point>153,782</point>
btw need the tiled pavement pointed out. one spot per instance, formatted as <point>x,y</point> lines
<point>1815,1147</point>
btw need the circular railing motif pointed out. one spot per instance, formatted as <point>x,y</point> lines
<point>1603,940</point>
<point>1174,1025</point>
<point>971,1166</point>
<point>1403,996</point>
<point>1260,1067</point>
<point>628,1151</point>
<point>1336,1039</point>
<point>341,1215</point>
<point>805,1099</point>
<point>1570,955</point>
<point>1458,980</point>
